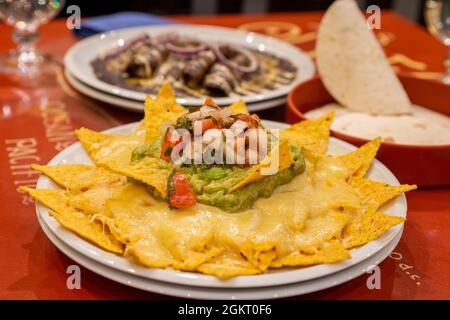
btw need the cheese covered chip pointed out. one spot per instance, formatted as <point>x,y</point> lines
<point>260,255</point>
<point>108,150</point>
<point>328,252</point>
<point>151,171</point>
<point>79,177</point>
<point>350,165</point>
<point>75,220</point>
<point>114,153</point>
<point>312,135</point>
<point>228,265</point>
<point>368,227</point>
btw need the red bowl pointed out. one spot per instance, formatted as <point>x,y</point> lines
<point>426,166</point>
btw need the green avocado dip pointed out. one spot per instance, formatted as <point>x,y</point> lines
<point>211,183</point>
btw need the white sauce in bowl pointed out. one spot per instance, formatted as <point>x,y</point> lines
<point>422,127</point>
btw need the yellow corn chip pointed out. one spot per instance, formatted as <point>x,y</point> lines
<point>260,255</point>
<point>238,107</point>
<point>164,109</point>
<point>354,164</point>
<point>328,252</point>
<point>112,150</point>
<point>92,201</point>
<point>366,154</point>
<point>150,252</point>
<point>75,220</point>
<point>114,153</point>
<point>151,171</point>
<point>228,265</point>
<point>368,227</point>
<point>79,177</point>
<point>312,135</point>
<point>285,160</point>
<point>374,194</point>
<point>167,99</point>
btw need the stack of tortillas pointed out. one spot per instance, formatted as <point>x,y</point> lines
<point>353,66</point>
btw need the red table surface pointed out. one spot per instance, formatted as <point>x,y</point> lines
<point>37,121</point>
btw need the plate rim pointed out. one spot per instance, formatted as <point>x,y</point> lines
<point>302,60</point>
<point>197,279</point>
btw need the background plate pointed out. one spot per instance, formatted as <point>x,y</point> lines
<point>138,106</point>
<point>78,58</point>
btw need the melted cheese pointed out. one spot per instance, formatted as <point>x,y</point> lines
<point>300,216</point>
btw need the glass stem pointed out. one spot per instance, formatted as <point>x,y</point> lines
<point>446,77</point>
<point>25,41</point>
<point>447,61</point>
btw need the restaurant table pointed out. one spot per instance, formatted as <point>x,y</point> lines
<point>38,116</point>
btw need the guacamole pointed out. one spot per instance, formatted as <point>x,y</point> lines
<point>211,183</point>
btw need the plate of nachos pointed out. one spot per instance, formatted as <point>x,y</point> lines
<point>216,197</point>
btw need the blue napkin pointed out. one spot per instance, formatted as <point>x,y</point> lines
<point>119,20</point>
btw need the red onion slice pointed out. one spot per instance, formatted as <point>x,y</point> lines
<point>167,38</point>
<point>244,69</point>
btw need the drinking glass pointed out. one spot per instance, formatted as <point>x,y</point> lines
<point>26,16</point>
<point>437,18</point>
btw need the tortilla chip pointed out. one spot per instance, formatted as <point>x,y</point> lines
<point>260,255</point>
<point>75,220</point>
<point>150,252</point>
<point>108,150</point>
<point>238,107</point>
<point>354,164</point>
<point>192,258</point>
<point>151,171</point>
<point>353,66</point>
<point>312,135</point>
<point>282,151</point>
<point>92,201</point>
<point>79,177</point>
<point>114,154</point>
<point>167,99</point>
<point>374,194</point>
<point>164,109</point>
<point>228,265</point>
<point>368,227</point>
<point>329,252</point>
<point>364,156</point>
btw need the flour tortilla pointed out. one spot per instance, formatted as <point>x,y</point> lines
<point>353,66</point>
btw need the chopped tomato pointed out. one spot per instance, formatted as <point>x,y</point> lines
<point>252,122</point>
<point>210,123</point>
<point>210,102</point>
<point>180,193</point>
<point>167,146</point>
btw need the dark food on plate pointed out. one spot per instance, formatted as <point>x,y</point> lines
<point>195,68</point>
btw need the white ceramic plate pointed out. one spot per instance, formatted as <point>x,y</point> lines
<point>138,106</point>
<point>78,58</point>
<point>76,154</point>
<point>273,292</point>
